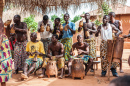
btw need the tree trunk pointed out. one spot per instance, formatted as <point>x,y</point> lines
<point>1,8</point>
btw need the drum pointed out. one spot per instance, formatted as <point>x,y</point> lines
<point>118,49</point>
<point>78,68</point>
<point>51,69</point>
<point>109,50</point>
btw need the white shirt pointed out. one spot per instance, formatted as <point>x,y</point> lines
<point>45,34</point>
<point>106,34</point>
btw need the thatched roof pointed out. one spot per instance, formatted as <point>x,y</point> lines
<point>50,5</point>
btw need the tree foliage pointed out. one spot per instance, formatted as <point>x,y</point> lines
<point>31,24</point>
<point>76,18</point>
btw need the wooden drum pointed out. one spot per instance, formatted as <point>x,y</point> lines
<point>118,49</point>
<point>78,68</point>
<point>51,69</point>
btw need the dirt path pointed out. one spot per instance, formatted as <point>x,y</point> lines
<point>89,80</point>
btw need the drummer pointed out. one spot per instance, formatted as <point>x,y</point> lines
<point>83,51</point>
<point>57,50</point>
<point>106,33</point>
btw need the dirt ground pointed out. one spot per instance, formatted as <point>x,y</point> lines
<point>89,79</point>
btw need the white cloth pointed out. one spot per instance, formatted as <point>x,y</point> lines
<point>106,34</point>
<point>45,34</point>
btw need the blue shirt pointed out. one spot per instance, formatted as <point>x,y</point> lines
<point>68,33</point>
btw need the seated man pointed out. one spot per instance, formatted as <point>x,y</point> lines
<point>83,51</point>
<point>57,49</point>
<point>35,51</point>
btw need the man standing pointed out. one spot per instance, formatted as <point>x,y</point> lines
<point>90,27</point>
<point>35,51</point>
<point>57,28</point>
<point>20,45</point>
<point>106,34</point>
<point>46,35</point>
<point>118,25</point>
<point>67,36</point>
<point>83,51</point>
<point>57,50</point>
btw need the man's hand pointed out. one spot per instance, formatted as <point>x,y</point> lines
<point>125,36</point>
<point>72,53</point>
<point>80,51</point>
<point>37,53</point>
<point>68,26</point>
<point>48,25</point>
<point>57,31</point>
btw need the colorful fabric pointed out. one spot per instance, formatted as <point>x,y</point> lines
<point>32,47</point>
<point>92,47</point>
<point>11,46</point>
<point>46,42</point>
<point>12,52</point>
<point>84,57</point>
<point>20,55</point>
<point>5,60</point>
<point>60,62</point>
<point>68,33</point>
<point>67,42</point>
<point>30,62</point>
<point>103,55</point>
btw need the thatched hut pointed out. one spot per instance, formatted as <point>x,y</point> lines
<point>45,6</point>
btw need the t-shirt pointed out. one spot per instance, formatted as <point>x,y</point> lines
<point>32,47</point>
<point>68,33</point>
<point>45,34</point>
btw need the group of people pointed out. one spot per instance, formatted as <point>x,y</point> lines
<point>30,55</point>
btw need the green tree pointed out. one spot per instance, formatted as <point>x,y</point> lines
<point>105,11</point>
<point>105,8</point>
<point>31,24</point>
<point>76,18</point>
<point>53,17</point>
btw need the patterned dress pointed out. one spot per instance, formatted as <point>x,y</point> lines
<point>92,47</point>
<point>67,42</point>
<point>5,60</point>
<point>20,55</point>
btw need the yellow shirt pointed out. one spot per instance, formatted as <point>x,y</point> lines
<point>32,47</point>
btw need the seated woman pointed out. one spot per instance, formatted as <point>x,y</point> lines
<point>83,51</point>
<point>57,49</point>
<point>35,51</point>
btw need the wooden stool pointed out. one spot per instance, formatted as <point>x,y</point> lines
<point>95,63</point>
<point>98,56</point>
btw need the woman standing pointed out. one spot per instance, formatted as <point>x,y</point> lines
<point>5,57</point>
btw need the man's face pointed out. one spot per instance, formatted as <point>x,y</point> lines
<point>110,15</point>
<point>56,22</point>
<point>16,20</point>
<point>45,21</point>
<point>53,39</point>
<point>33,37</point>
<point>105,19</point>
<point>80,39</point>
<point>87,16</point>
<point>66,17</point>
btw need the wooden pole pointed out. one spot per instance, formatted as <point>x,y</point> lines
<point>1,7</point>
<point>110,47</point>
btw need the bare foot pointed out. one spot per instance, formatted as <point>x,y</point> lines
<point>16,72</point>
<point>121,71</point>
<point>60,77</point>
<point>23,76</point>
<point>41,76</point>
